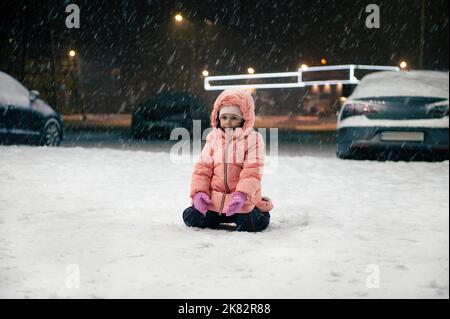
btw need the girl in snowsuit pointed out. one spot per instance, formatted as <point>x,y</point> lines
<point>226,182</point>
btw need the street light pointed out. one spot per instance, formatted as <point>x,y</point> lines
<point>75,67</point>
<point>304,67</point>
<point>403,65</point>
<point>251,70</point>
<point>178,18</point>
<point>183,25</point>
<point>323,61</point>
<point>205,73</point>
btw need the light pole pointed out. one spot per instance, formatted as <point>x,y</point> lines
<point>180,22</point>
<point>422,34</point>
<point>75,64</point>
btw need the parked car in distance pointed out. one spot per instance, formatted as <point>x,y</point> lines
<point>159,115</point>
<point>25,118</point>
<point>396,116</point>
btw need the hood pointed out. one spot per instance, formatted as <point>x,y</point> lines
<point>44,108</point>
<point>241,98</point>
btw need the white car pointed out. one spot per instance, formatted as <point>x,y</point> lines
<point>396,115</point>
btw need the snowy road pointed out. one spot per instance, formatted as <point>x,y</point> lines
<point>88,222</point>
<point>290,143</point>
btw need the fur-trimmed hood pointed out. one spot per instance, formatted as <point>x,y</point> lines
<point>240,98</point>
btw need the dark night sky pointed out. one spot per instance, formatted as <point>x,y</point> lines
<point>280,33</point>
<point>283,32</point>
<point>141,39</point>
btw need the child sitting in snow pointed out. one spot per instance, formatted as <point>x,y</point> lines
<point>226,182</point>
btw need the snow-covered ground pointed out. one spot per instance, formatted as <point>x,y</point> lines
<point>105,223</point>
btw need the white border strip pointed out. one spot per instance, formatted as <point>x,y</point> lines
<point>299,74</point>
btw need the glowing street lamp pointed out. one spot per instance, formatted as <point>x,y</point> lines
<point>304,67</point>
<point>251,70</point>
<point>178,18</point>
<point>205,73</point>
<point>323,61</point>
<point>403,65</point>
<point>72,53</point>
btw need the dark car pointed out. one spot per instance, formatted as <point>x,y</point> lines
<point>158,116</point>
<point>396,115</point>
<point>24,118</point>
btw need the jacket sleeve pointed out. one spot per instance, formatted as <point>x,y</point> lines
<point>203,170</point>
<point>252,171</point>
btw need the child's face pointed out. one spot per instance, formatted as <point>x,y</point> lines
<point>230,121</point>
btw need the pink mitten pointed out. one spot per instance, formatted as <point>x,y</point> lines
<point>201,202</point>
<point>237,201</point>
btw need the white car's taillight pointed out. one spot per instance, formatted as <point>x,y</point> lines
<point>437,110</point>
<point>358,108</point>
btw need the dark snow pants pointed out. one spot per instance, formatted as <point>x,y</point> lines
<point>253,221</point>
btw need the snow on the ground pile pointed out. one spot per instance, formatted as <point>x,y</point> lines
<point>116,216</point>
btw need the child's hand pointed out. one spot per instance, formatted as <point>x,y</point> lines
<point>201,202</point>
<point>238,200</point>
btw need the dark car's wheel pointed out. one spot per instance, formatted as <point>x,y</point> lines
<point>51,135</point>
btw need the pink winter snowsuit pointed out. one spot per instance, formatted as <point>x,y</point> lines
<point>232,162</point>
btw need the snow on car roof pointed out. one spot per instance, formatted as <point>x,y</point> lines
<point>12,92</point>
<point>405,83</point>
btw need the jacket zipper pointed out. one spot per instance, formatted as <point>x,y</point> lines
<point>221,204</point>
<point>225,174</point>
